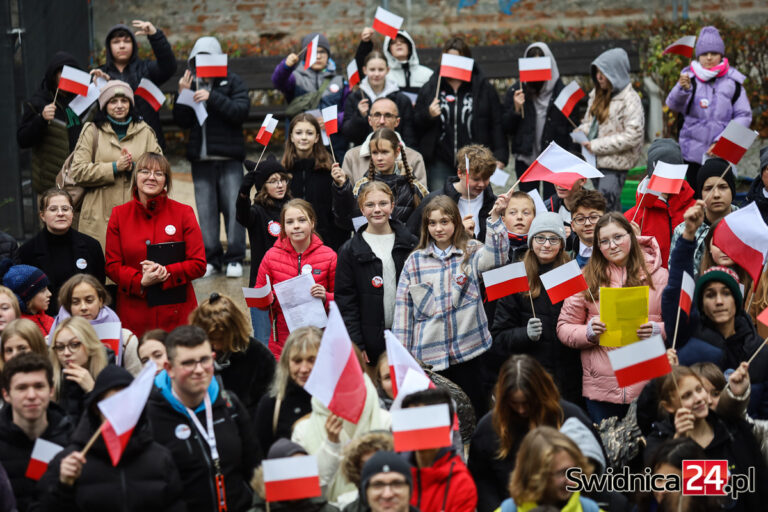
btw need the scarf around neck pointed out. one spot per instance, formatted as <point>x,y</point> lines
<point>705,75</point>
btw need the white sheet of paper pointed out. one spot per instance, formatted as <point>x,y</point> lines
<point>357,222</point>
<point>186,97</point>
<point>579,136</point>
<point>589,156</point>
<point>499,177</point>
<point>538,202</point>
<point>315,112</point>
<point>300,308</point>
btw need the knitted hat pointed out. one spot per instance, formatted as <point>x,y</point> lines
<point>763,158</point>
<point>383,462</point>
<point>112,89</point>
<point>709,41</point>
<point>584,439</point>
<point>546,221</point>
<point>26,281</point>
<point>266,168</point>
<point>285,448</point>
<point>722,275</point>
<point>322,42</point>
<point>714,167</point>
<point>664,150</point>
<point>111,377</point>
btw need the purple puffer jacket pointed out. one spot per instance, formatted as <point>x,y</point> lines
<point>703,125</point>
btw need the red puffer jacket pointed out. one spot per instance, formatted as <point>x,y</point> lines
<point>282,262</point>
<point>131,228</point>
<point>445,486</point>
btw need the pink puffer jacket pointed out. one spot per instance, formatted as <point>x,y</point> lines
<point>599,382</point>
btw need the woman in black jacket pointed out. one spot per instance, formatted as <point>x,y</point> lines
<point>144,479</point>
<point>518,330</point>
<point>368,269</point>
<point>59,250</point>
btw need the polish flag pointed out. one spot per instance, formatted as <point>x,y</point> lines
<point>259,297</point>
<point>686,293</point>
<point>400,361</point>
<point>353,75</point>
<point>310,57</point>
<point>291,478</point>
<point>330,119</point>
<point>387,23</point>
<point>505,280</point>
<point>683,46</point>
<point>421,428</point>
<point>569,97</point>
<point>668,178</point>
<point>558,166</point>
<point>151,93</point>
<point>743,236</point>
<point>111,335</point>
<point>648,196</point>
<point>42,453</point>
<point>456,66</point>
<point>563,281</point>
<point>337,379</point>
<point>535,69</point>
<point>266,130</point>
<point>211,66</point>
<point>640,361</point>
<point>122,411</point>
<point>74,80</point>
<point>734,142</point>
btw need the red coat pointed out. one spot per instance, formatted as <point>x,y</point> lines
<point>42,320</point>
<point>661,219</point>
<point>445,486</point>
<point>131,228</point>
<point>282,262</point>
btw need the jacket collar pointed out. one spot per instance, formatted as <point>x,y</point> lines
<point>285,244</point>
<point>362,251</point>
<point>163,383</point>
<point>154,205</point>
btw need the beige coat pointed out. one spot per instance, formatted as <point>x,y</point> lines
<point>620,138</point>
<point>104,189</point>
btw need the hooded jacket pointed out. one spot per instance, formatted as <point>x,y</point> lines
<point>445,486</point>
<point>296,404</point>
<point>227,106</point>
<point>248,374</point>
<point>263,225</point>
<point>158,71</point>
<point>599,381</point>
<point>409,75</point>
<point>617,141</point>
<point>54,141</point>
<point>356,128</point>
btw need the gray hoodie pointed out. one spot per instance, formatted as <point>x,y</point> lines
<point>614,64</point>
<point>205,45</point>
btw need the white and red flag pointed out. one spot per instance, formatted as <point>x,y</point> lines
<point>535,69</point>
<point>330,119</point>
<point>122,411</point>
<point>743,236</point>
<point>686,292</point>
<point>683,46</point>
<point>74,80</point>
<point>569,97</point>
<point>259,297</point>
<point>421,428</point>
<point>310,57</point>
<point>387,23</point>
<point>111,335</point>
<point>456,66</point>
<point>266,130</point>
<point>337,379</point>
<point>505,280</point>
<point>648,196</point>
<point>42,453</point>
<point>291,478</point>
<point>353,75</point>
<point>563,281</point>
<point>668,178</point>
<point>151,93</point>
<point>400,361</point>
<point>734,142</point>
<point>558,166</point>
<point>640,361</point>
<point>211,66</point>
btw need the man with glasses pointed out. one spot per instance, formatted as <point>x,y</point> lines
<point>382,114</point>
<point>386,484</point>
<point>206,428</point>
<point>588,207</point>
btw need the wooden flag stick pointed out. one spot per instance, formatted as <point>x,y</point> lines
<point>642,221</point>
<point>757,351</point>
<point>721,177</point>
<point>437,89</point>
<point>330,143</point>
<point>677,323</point>
<point>570,121</point>
<point>637,209</point>
<point>92,439</point>
<point>593,299</point>
<point>55,95</point>
<point>514,185</point>
<point>531,297</point>
<point>261,155</point>
<point>303,50</point>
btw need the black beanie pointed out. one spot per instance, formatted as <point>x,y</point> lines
<point>285,448</point>
<point>266,168</point>
<point>664,150</point>
<point>715,167</point>
<point>383,462</point>
<point>109,378</point>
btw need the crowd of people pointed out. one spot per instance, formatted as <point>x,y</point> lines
<point>395,220</point>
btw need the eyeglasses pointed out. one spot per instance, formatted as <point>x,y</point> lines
<point>616,240</point>
<point>387,116</point>
<point>278,181</point>
<point>56,209</point>
<point>146,173</point>
<point>380,204</point>
<point>582,219</point>
<point>73,346</point>
<point>397,485</point>
<point>541,240</point>
<point>206,362</point>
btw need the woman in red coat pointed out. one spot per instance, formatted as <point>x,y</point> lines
<point>152,218</point>
<point>297,251</point>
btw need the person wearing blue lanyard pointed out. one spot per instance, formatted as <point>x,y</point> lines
<point>206,428</point>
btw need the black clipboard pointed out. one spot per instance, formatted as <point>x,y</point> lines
<point>165,254</point>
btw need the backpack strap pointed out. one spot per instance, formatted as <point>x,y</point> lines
<point>736,93</point>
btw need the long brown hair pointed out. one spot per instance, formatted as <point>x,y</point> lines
<point>319,153</point>
<point>223,321</point>
<point>391,137</point>
<point>524,373</point>
<point>601,104</point>
<point>446,205</point>
<point>264,199</point>
<point>532,268</point>
<point>596,271</point>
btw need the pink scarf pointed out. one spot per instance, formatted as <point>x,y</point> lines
<point>707,74</point>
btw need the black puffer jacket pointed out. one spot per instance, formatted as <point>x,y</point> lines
<point>356,128</point>
<point>158,71</point>
<point>257,219</point>
<point>247,374</point>
<point>296,404</point>
<point>360,302</point>
<point>755,195</point>
<point>16,449</point>
<point>8,246</point>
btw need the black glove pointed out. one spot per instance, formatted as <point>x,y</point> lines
<point>249,180</point>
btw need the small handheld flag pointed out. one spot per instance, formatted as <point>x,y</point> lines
<point>311,56</point>
<point>640,361</point>
<point>259,297</point>
<point>505,280</point>
<point>734,142</point>
<point>535,69</point>
<point>211,66</point>
<point>353,75</point>
<point>42,453</point>
<point>291,478</point>
<point>387,23</point>
<point>266,130</point>
<point>151,94</point>
<point>330,119</point>
<point>563,281</point>
<point>456,66</point>
<point>569,97</point>
<point>74,80</point>
<point>421,428</point>
<point>558,166</point>
<point>683,46</point>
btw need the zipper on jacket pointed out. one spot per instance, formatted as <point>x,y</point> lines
<point>298,268</point>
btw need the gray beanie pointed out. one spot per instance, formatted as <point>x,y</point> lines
<point>763,158</point>
<point>584,439</point>
<point>546,221</point>
<point>664,150</point>
<point>322,42</point>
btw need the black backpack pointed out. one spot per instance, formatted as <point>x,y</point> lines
<point>681,117</point>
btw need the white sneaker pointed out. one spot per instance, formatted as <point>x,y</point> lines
<point>234,270</point>
<point>209,270</point>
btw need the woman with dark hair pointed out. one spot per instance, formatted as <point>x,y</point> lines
<point>58,249</point>
<point>526,398</point>
<point>104,158</point>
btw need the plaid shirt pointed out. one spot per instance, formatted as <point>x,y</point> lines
<point>439,314</point>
